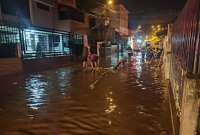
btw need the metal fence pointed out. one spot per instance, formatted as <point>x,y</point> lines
<point>185,38</point>
<point>38,42</point>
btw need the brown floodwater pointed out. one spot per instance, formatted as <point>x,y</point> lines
<point>130,101</point>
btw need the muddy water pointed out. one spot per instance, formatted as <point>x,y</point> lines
<point>132,101</point>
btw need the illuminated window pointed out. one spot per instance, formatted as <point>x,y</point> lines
<point>37,42</point>
<point>9,35</point>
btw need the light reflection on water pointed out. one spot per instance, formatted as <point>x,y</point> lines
<point>36,87</point>
<point>115,58</point>
<point>111,105</point>
<point>64,77</point>
<point>138,65</point>
<point>81,113</point>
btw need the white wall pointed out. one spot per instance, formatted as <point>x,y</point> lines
<point>70,25</point>
<point>63,25</point>
<point>42,17</point>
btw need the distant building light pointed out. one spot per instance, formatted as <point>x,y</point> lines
<point>139,41</point>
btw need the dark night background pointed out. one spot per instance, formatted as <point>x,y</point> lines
<point>138,5</point>
<point>140,8</point>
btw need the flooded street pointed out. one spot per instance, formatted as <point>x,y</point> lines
<point>132,101</point>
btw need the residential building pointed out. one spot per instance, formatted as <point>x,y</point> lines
<point>120,20</point>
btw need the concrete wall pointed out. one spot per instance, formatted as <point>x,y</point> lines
<point>190,107</point>
<point>63,25</point>
<point>73,26</point>
<point>41,17</point>
<point>69,25</point>
<point>185,91</point>
<point>123,19</point>
<point>166,57</point>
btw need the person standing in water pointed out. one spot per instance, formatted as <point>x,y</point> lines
<point>86,50</point>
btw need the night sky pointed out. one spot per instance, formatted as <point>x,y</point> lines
<point>139,8</point>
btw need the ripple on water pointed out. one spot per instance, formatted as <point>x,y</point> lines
<point>75,113</point>
<point>35,86</point>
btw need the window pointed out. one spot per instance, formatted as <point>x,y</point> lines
<point>9,35</point>
<point>9,38</point>
<point>36,42</point>
<point>57,46</point>
<point>43,7</point>
<point>39,43</point>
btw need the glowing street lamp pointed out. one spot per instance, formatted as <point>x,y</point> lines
<point>158,26</point>
<point>110,2</point>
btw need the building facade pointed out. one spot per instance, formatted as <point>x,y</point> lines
<point>41,28</point>
<point>120,20</point>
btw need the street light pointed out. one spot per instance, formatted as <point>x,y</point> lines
<point>158,26</point>
<point>109,2</point>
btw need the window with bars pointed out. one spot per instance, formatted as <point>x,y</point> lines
<point>38,42</point>
<point>9,35</point>
<point>45,44</point>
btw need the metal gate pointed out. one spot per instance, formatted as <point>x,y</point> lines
<point>185,38</point>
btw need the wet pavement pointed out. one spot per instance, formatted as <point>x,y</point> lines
<point>132,101</point>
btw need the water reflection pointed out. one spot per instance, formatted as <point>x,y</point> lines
<point>64,77</point>
<point>138,65</point>
<point>35,86</point>
<point>111,105</point>
<point>127,102</point>
<point>115,58</point>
